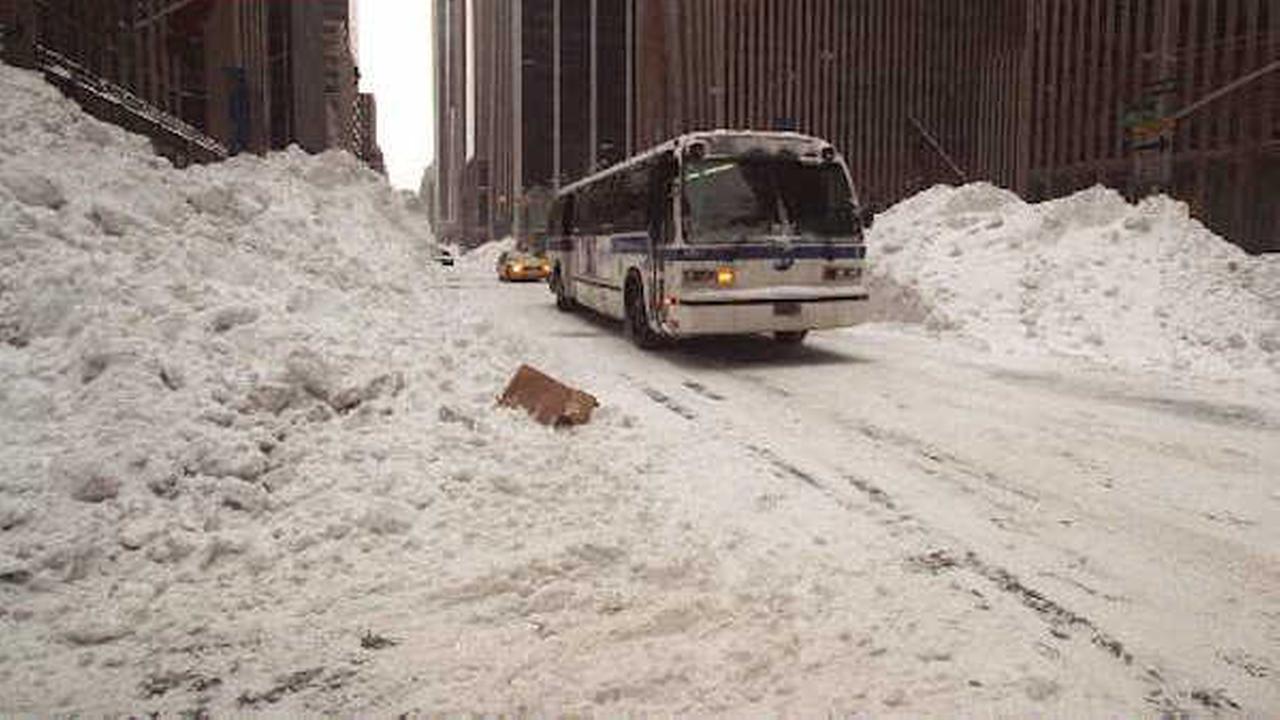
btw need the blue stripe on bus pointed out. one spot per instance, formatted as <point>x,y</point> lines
<point>630,244</point>
<point>640,244</point>
<point>763,252</point>
<point>620,244</point>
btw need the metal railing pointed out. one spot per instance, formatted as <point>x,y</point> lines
<point>63,70</point>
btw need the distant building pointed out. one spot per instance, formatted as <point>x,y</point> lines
<point>1042,96</point>
<point>366,123</point>
<point>204,78</point>
<point>341,79</point>
<point>427,193</point>
<point>451,115</point>
<point>543,113</point>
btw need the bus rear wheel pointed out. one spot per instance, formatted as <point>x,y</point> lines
<point>790,337</point>
<point>637,320</point>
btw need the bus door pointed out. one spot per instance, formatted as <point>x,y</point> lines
<point>662,175</point>
<point>564,228</point>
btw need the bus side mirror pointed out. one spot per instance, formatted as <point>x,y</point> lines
<point>865,217</point>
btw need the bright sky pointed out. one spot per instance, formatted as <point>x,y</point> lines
<point>395,64</point>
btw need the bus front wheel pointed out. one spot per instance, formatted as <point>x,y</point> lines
<point>637,320</point>
<point>790,337</point>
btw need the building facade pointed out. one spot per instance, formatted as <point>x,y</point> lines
<point>1041,96</point>
<point>204,78</point>
<point>1182,95</point>
<point>366,124</point>
<point>549,103</point>
<point>450,50</point>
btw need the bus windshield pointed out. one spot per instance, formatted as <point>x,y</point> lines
<point>732,200</point>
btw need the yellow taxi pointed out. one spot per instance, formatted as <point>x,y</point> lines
<point>514,265</point>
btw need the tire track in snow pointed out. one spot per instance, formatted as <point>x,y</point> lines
<point>661,398</point>
<point>938,460</point>
<point>667,402</point>
<point>1062,622</point>
<point>702,390</point>
<point>873,492</point>
<point>1057,616</point>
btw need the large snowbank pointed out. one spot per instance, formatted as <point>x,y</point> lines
<point>1142,286</point>
<point>231,397</point>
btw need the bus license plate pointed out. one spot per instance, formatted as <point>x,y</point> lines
<point>789,309</point>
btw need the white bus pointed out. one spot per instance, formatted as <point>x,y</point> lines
<point>724,232</point>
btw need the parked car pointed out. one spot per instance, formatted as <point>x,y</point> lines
<point>514,265</point>
<point>444,257</point>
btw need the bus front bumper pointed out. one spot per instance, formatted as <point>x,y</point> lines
<point>690,318</point>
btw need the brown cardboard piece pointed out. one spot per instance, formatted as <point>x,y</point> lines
<point>549,401</point>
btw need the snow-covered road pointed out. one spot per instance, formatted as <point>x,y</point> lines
<point>1128,523</point>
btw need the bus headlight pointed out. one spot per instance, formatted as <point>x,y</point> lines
<point>722,276</point>
<point>842,274</point>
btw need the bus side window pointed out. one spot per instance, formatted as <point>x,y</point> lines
<point>633,199</point>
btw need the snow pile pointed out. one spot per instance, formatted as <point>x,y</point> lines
<point>486,255</point>
<point>1088,275</point>
<point>232,398</point>
<point>163,336</point>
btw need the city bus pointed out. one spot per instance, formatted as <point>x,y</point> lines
<point>714,233</point>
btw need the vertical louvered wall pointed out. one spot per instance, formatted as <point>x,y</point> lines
<point>1028,94</point>
<point>853,71</point>
<point>1094,60</point>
